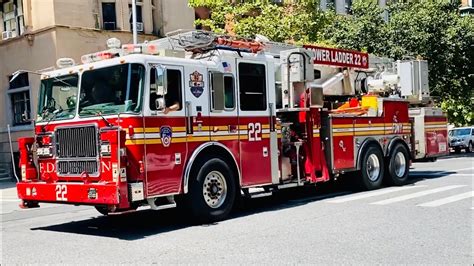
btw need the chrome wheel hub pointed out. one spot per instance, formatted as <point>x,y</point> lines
<point>214,189</point>
<point>373,167</point>
<point>400,164</point>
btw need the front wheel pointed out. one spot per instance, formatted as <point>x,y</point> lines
<point>398,166</point>
<point>212,191</point>
<point>372,168</point>
<point>102,210</point>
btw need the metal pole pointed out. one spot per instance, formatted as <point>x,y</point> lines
<point>11,152</point>
<point>134,21</point>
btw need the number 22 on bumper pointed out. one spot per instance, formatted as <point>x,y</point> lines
<point>61,192</point>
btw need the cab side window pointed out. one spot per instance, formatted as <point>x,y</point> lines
<point>174,88</point>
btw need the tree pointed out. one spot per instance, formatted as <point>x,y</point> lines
<point>434,30</point>
<point>293,21</point>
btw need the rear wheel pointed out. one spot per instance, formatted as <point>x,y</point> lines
<point>470,147</point>
<point>372,168</point>
<point>398,166</point>
<point>212,191</point>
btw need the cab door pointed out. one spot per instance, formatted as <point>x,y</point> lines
<point>254,122</point>
<point>164,129</point>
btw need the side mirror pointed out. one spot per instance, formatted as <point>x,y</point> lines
<point>160,79</point>
<point>160,104</point>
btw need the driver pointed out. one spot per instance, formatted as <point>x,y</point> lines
<point>101,93</point>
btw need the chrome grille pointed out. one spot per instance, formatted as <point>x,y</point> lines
<point>77,167</point>
<point>77,142</point>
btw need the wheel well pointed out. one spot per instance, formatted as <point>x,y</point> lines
<point>393,143</point>
<point>208,152</point>
<point>368,142</point>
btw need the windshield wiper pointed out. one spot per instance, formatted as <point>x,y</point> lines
<point>99,113</point>
<point>55,113</point>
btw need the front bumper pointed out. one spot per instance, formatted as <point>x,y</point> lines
<point>457,145</point>
<point>68,192</point>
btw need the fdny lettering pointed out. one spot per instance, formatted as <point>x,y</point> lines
<point>105,167</point>
<point>47,167</point>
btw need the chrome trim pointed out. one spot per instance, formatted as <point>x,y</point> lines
<point>96,158</point>
<point>193,157</point>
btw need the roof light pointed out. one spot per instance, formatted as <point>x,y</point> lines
<point>132,48</point>
<point>95,57</point>
<point>151,49</point>
<point>65,62</point>
<point>113,43</point>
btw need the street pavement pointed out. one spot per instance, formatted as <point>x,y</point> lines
<point>429,221</point>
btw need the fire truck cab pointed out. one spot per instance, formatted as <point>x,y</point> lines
<point>197,119</point>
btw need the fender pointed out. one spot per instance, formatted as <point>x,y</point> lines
<point>364,144</point>
<point>195,154</point>
<point>394,141</point>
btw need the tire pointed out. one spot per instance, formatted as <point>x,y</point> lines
<point>212,191</point>
<point>470,147</point>
<point>372,168</point>
<point>433,159</point>
<point>102,210</point>
<point>398,166</point>
<point>457,150</point>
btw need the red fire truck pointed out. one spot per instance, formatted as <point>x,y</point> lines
<point>197,119</point>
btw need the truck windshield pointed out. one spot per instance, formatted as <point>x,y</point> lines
<point>461,132</point>
<point>58,97</point>
<point>112,90</point>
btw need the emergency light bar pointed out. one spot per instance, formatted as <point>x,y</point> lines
<point>95,57</point>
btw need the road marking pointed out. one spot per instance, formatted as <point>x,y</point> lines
<point>462,169</point>
<point>10,200</point>
<point>436,203</point>
<point>373,194</point>
<point>437,174</point>
<point>416,195</point>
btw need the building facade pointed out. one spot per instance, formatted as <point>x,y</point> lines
<point>35,33</point>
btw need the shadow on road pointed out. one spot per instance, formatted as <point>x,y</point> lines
<point>140,224</point>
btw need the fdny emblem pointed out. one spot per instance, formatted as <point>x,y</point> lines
<point>196,83</point>
<point>166,135</point>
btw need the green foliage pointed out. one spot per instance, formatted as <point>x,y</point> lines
<point>432,30</point>
<point>287,22</point>
<point>361,31</point>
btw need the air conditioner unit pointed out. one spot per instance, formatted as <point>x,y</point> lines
<point>139,26</point>
<point>7,35</point>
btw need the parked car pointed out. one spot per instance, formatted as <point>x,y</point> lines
<point>461,138</point>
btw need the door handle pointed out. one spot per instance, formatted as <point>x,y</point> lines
<point>189,118</point>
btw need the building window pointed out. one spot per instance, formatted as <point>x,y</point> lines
<point>252,87</point>
<point>21,110</point>
<point>139,18</point>
<point>19,94</point>
<point>109,16</point>
<point>20,81</point>
<point>12,19</point>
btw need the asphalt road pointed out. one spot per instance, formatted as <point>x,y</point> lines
<point>429,221</point>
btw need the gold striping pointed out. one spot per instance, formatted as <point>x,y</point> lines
<point>343,126</point>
